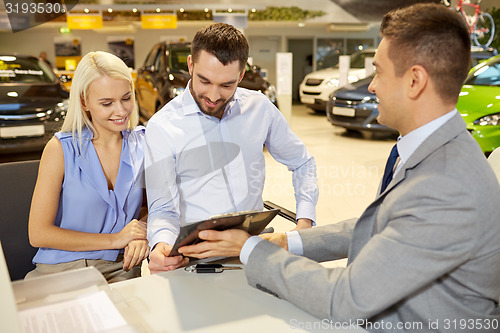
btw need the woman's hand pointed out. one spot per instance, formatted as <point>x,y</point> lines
<point>134,230</point>
<point>135,252</point>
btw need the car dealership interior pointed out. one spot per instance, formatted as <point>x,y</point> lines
<point>311,59</point>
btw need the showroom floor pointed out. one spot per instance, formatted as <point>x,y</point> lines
<point>349,167</point>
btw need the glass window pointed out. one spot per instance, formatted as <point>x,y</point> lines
<point>487,75</point>
<point>150,59</point>
<point>24,70</point>
<point>358,59</point>
<point>355,45</point>
<point>178,59</point>
<point>328,52</point>
<point>158,62</point>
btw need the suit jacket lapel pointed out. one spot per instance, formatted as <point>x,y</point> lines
<point>447,132</point>
<point>364,228</point>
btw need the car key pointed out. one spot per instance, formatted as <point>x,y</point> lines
<point>211,268</point>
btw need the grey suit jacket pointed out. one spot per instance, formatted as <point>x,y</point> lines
<point>426,251</point>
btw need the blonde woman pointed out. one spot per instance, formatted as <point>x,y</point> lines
<point>89,190</point>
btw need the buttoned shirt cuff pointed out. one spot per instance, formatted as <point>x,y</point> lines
<point>306,210</point>
<point>248,247</point>
<point>294,243</point>
<point>165,236</point>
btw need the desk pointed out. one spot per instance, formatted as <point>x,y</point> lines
<point>180,301</point>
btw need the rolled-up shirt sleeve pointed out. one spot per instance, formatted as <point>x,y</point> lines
<point>161,188</point>
<point>305,184</point>
<point>288,149</point>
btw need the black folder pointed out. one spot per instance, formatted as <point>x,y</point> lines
<point>253,222</point>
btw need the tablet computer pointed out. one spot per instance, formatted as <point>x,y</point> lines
<point>253,222</point>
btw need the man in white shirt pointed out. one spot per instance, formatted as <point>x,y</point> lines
<point>205,147</point>
<point>424,254</point>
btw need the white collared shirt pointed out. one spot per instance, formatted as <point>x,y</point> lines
<point>198,166</point>
<point>409,143</point>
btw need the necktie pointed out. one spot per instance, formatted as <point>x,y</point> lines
<point>389,168</point>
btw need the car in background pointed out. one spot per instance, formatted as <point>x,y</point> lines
<point>479,103</point>
<point>355,108</point>
<point>316,87</point>
<point>165,75</point>
<point>479,54</point>
<point>33,103</point>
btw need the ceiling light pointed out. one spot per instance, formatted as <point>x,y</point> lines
<point>110,10</point>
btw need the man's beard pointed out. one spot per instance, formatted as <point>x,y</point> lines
<point>208,111</point>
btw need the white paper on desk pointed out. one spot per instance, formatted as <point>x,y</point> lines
<point>90,313</point>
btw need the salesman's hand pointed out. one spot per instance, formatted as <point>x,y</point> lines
<point>279,239</point>
<point>303,224</point>
<point>159,260</point>
<point>226,243</point>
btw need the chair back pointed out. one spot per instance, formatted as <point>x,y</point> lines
<point>17,182</point>
<point>8,309</point>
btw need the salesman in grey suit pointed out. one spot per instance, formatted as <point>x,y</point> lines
<point>425,255</point>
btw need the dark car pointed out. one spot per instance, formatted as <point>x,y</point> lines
<point>33,103</point>
<point>165,75</point>
<point>355,108</point>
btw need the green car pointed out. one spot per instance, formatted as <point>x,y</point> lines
<point>479,103</point>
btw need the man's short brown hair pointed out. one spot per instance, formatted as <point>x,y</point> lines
<point>222,40</point>
<point>434,37</point>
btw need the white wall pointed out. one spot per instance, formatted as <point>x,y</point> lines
<point>34,40</point>
<point>261,35</point>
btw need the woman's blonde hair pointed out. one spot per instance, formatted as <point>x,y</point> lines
<point>93,66</point>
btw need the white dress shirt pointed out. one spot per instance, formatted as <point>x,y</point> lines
<point>198,166</point>
<point>407,145</point>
